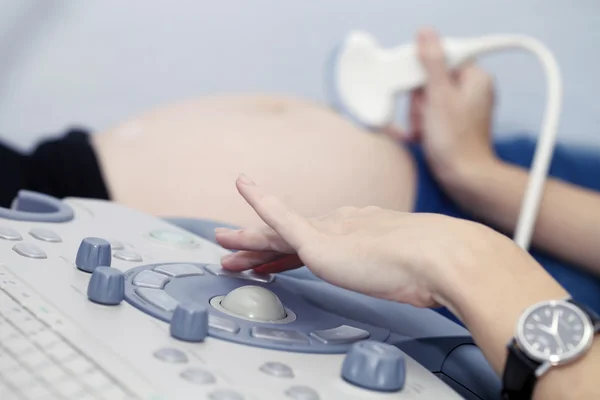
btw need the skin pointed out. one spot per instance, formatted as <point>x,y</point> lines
<point>203,145</point>
<point>437,263</point>
<point>280,140</point>
<point>426,260</point>
<point>451,119</point>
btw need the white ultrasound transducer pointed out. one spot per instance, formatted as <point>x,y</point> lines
<point>366,79</point>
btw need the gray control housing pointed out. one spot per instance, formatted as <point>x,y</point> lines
<point>121,315</point>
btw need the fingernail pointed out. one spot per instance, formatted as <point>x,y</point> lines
<point>243,178</point>
<point>226,257</point>
<point>221,230</point>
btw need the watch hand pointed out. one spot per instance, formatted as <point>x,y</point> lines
<point>554,323</point>
<point>546,329</point>
<point>563,323</point>
<point>559,342</point>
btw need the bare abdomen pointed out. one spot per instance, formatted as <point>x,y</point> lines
<point>182,160</point>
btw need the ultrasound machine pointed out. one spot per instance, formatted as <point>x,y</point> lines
<point>99,301</point>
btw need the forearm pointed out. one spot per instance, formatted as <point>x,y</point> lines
<point>488,287</point>
<point>568,223</point>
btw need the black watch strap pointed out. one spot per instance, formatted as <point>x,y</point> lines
<point>519,377</point>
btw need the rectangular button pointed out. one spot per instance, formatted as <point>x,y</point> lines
<point>248,275</point>
<point>51,374</point>
<point>158,298</point>
<point>223,324</point>
<point>150,279</point>
<point>340,335</point>
<point>279,335</point>
<point>179,270</point>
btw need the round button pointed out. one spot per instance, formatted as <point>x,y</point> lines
<point>171,355</point>
<point>277,369</point>
<point>254,302</point>
<point>173,237</point>
<point>302,393</point>
<point>375,366</point>
<point>106,286</point>
<point>189,323</point>
<point>93,252</point>
<point>198,376</point>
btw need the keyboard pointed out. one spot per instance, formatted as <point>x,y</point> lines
<point>37,361</point>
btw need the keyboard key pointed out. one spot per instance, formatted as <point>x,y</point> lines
<point>35,391</point>
<point>68,388</point>
<point>45,339</point>
<point>51,374</point>
<point>61,352</point>
<point>78,365</point>
<point>34,359</point>
<point>94,379</point>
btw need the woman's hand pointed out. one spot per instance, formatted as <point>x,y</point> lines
<point>451,116</point>
<point>387,254</point>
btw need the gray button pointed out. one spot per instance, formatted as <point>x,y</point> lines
<point>249,275</point>
<point>45,235</point>
<point>116,245</point>
<point>340,335</point>
<point>173,237</point>
<point>375,366</point>
<point>189,323</point>
<point>279,335</point>
<point>128,256</point>
<point>198,376</point>
<point>171,355</point>
<point>223,324</point>
<point>9,234</point>
<point>225,394</point>
<point>179,270</point>
<point>302,393</point>
<point>158,298</point>
<point>106,286</point>
<point>150,279</point>
<point>93,252</point>
<point>277,369</point>
<point>29,250</point>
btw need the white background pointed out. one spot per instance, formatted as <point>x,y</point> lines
<point>97,62</point>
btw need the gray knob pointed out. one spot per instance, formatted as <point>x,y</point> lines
<point>93,252</point>
<point>189,322</point>
<point>106,286</point>
<point>375,366</point>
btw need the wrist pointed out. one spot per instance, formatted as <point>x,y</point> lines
<point>464,175</point>
<point>468,182</point>
<point>487,282</point>
<point>472,255</point>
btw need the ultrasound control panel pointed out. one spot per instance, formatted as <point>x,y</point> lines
<point>98,301</point>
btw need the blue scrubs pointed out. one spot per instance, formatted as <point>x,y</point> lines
<point>569,164</point>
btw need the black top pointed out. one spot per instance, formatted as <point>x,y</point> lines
<point>62,167</point>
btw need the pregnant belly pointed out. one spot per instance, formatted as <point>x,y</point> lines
<point>182,160</point>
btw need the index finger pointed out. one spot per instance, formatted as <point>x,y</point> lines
<point>295,229</point>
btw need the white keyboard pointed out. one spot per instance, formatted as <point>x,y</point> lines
<point>37,362</point>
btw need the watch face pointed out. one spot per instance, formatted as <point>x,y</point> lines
<point>554,332</point>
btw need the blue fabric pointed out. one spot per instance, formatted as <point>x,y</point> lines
<point>576,166</point>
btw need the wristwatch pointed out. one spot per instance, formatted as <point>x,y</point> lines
<point>549,334</point>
